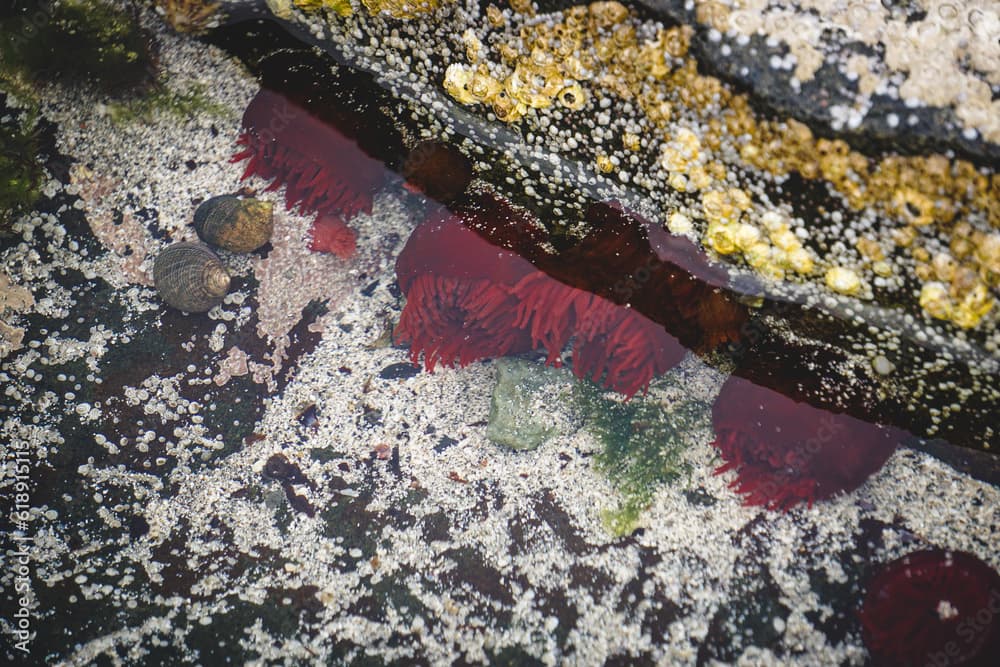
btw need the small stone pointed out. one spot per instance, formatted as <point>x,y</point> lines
<point>399,371</point>
<point>518,419</point>
<point>882,365</point>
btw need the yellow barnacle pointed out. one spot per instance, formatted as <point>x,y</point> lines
<point>698,178</point>
<point>458,83</point>
<point>688,142</point>
<point>523,7</point>
<point>494,16</point>
<point>483,86</point>
<point>970,310</point>
<point>739,198</point>
<point>882,268</point>
<point>944,266</point>
<point>604,164</point>
<point>607,14</point>
<point>785,238</point>
<point>934,300</point>
<point>672,160</point>
<point>527,87</point>
<point>573,97</point>
<point>758,254</point>
<point>843,280</point>
<point>987,252</point>
<point>678,181</point>
<point>508,54</point>
<point>746,236</point>
<point>717,208</point>
<point>631,141</point>
<point>964,281</point>
<point>658,111</point>
<point>575,69</point>
<point>721,238</point>
<point>677,40</point>
<point>870,249</point>
<point>913,206</point>
<point>508,109</point>
<point>904,236</point>
<point>773,221</point>
<point>800,261</point>
<point>772,271</point>
<point>473,46</point>
<point>678,223</point>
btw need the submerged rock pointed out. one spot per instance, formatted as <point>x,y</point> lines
<point>519,418</point>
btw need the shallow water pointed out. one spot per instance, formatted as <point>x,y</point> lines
<point>500,387</point>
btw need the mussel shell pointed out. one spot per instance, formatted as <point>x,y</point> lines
<point>234,224</point>
<point>190,277</point>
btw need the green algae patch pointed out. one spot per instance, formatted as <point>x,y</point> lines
<point>642,442</point>
<point>160,99</point>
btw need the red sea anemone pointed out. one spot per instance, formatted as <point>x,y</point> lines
<point>934,607</point>
<point>785,452</point>
<point>323,170</point>
<point>468,299</point>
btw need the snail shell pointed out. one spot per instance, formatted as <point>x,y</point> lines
<point>190,277</point>
<point>234,224</point>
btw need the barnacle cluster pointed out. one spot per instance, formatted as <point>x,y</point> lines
<point>401,9</point>
<point>694,136</point>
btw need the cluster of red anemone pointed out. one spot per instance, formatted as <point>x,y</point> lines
<point>630,298</point>
<point>479,284</point>
<point>468,299</point>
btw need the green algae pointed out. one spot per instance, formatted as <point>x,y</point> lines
<point>21,171</point>
<point>643,442</point>
<point>161,99</point>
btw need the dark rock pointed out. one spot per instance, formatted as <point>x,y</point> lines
<point>399,371</point>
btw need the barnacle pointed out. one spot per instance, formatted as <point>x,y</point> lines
<point>843,280</point>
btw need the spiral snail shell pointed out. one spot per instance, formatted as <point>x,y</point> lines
<point>234,224</point>
<point>190,277</point>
